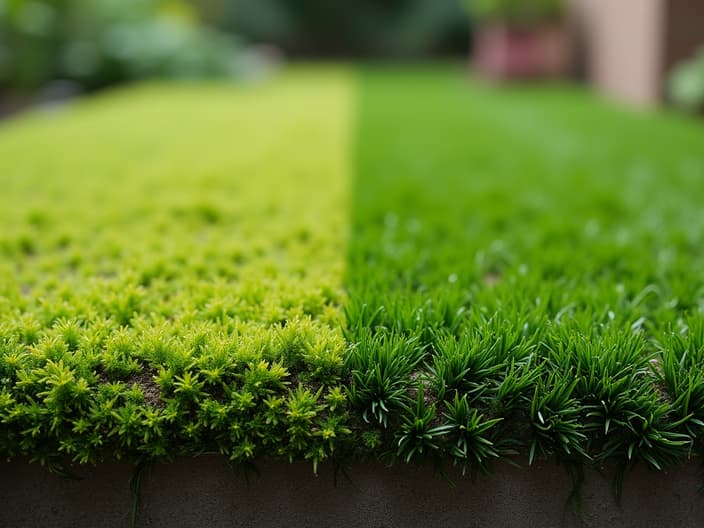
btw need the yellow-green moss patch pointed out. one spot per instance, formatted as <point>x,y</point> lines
<point>171,259</point>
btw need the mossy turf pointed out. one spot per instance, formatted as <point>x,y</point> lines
<point>473,273</point>
<point>525,273</point>
<point>171,261</point>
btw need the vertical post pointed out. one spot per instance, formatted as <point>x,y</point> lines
<point>625,46</point>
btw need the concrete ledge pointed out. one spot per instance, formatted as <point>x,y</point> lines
<point>205,492</point>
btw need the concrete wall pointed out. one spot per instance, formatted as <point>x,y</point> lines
<point>204,492</point>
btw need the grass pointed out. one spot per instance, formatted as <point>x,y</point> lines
<point>529,260</point>
<point>188,270</point>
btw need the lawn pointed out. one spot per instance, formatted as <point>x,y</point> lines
<point>389,262</point>
<point>530,255</point>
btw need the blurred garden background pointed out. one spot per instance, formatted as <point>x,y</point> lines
<point>54,48</point>
<point>642,51</point>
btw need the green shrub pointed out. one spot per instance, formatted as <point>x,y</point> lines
<point>103,42</point>
<point>516,11</point>
<point>686,83</point>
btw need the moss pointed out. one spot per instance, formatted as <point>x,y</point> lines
<point>157,261</point>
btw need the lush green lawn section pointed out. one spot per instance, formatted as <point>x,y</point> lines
<point>189,268</point>
<point>529,255</point>
<point>171,262</point>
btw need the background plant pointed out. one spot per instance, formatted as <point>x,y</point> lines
<point>95,44</point>
<point>686,83</point>
<point>515,11</point>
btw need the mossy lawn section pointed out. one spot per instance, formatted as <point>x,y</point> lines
<point>171,261</point>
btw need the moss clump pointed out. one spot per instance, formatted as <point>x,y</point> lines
<point>163,290</point>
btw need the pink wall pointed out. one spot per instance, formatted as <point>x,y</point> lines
<point>633,44</point>
<point>624,46</point>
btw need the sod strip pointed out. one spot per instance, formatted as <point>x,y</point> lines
<point>526,274</point>
<point>171,261</point>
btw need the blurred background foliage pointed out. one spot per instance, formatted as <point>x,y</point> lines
<point>50,49</point>
<point>516,11</point>
<point>96,43</point>
<point>686,83</point>
<point>379,28</point>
